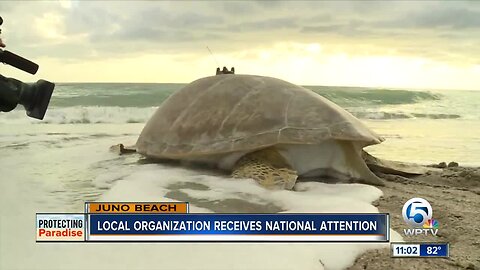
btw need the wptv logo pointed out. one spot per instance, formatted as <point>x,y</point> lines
<point>417,213</point>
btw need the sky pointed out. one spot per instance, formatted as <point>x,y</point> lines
<point>404,44</point>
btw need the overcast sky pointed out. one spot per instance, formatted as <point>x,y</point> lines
<point>409,44</point>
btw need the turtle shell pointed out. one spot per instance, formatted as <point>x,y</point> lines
<point>229,113</point>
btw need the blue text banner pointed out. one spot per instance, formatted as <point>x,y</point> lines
<point>239,227</point>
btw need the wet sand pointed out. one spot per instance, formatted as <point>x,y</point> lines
<point>454,194</point>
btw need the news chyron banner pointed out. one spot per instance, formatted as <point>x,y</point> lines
<point>171,222</point>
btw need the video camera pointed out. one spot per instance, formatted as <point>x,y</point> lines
<point>34,97</point>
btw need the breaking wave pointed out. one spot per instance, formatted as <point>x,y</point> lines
<point>91,103</point>
<point>148,95</point>
<point>352,96</point>
<point>84,115</point>
<point>123,115</point>
<point>389,115</point>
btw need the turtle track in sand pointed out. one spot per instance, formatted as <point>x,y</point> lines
<point>454,194</point>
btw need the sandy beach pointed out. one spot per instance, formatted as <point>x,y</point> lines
<point>275,90</point>
<point>454,194</point>
<point>65,161</point>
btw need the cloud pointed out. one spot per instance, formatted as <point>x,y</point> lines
<point>264,25</point>
<point>453,18</point>
<point>175,26</point>
<point>349,29</point>
<point>72,31</point>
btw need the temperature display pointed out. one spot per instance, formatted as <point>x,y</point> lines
<point>434,250</point>
<point>420,249</point>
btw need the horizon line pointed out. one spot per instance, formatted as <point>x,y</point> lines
<point>306,85</point>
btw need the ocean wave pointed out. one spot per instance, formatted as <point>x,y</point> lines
<point>84,115</point>
<point>360,96</point>
<point>112,94</point>
<point>125,115</point>
<point>149,95</point>
<point>401,115</point>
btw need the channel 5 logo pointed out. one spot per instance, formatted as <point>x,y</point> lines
<point>417,213</point>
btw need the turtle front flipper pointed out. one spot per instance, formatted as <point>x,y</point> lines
<point>122,149</point>
<point>268,167</point>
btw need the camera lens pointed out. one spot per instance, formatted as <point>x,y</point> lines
<point>35,98</point>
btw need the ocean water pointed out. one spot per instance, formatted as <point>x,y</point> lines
<point>57,164</point>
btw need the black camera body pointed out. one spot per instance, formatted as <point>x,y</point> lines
<point>34,97</point>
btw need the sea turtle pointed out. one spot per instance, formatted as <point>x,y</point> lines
<point>259,127</point>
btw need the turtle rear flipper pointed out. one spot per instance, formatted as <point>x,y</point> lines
<point>122,149</point>
<point>404,169</point>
